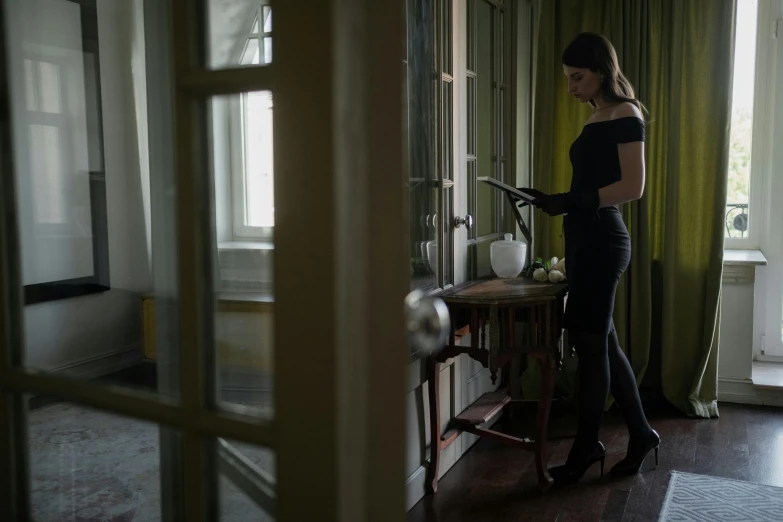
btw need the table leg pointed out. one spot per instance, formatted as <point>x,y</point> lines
<point>546,364</point>
<point>433,385</point>
<point>494,343</point>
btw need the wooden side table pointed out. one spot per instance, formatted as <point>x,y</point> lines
<point>497,305</point>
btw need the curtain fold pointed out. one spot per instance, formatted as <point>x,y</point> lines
<point>678,54</point>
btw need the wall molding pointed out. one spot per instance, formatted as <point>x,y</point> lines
<point>104,364</point>
<point>743,391</point>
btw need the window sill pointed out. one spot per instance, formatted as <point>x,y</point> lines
<point>739,266</point>
<point>246,266</point>
<point>768,376</point>
<point>233,246</point>
<point>744,258</point>
<point>260,297</point>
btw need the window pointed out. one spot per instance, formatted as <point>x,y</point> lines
<point>738,200</point>
<point>59,150</point>
<point>252,168</point>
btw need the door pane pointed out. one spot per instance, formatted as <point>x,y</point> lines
<point>485,122</point>
<point>239,33</point>
<point>242,177</point>
<point>95,197</point>
<point>235,506</point>
<point>483,266</point>
<point>247,482</point>
<point>421,127</point>
<point>86,464</point>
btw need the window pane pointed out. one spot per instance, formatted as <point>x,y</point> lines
<point>447,227</point>
<point>267,14</point>
<point>268,49</point>
<point>471,116</point>
<point>259,178</point>
<point>502,46</point>
<point>251,54</point>
<point>479,260</point>
<point>738,190</point>
<point>422,119</point>
<point>236,506</point>
<point>470,40</point>
<point>96,194</point>
<point>445,7</point>
<point>243,272</point>
<point>447,134</point>
<point>486,212</point>
<point>231,26</point>
<point>86,464</point>
<point>242,468</point>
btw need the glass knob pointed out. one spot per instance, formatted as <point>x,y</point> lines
<point>467,221</point>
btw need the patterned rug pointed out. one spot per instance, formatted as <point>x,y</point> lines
<point>700,498</point>
<point>91,466</point>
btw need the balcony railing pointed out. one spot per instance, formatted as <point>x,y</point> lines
<point>736,220</point>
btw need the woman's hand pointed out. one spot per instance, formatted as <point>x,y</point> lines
<point>552,204</point>
<point>563,203</point>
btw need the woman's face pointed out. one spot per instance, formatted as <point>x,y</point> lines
<point>583,84</point>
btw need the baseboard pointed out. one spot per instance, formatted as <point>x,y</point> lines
<point>743,391</point>
<point>738,398</point>
<point>104,364</point>
<point>414,485</point>
<point>738,391</point>
<point>770,397</point>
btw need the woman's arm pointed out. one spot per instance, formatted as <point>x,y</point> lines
<point>632,171</point>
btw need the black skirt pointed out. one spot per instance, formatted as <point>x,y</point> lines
<point>598,251</point>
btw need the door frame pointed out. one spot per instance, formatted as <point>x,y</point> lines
<point>346,375</point>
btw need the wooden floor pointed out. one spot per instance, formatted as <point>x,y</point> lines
<point>494,483</point>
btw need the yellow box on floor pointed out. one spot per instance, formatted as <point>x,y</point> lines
<point>243,331</point>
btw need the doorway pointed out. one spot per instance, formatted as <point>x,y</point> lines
<point>109,155</point>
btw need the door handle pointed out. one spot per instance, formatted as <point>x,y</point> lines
<point>427,322</point>
<point>467,221</point>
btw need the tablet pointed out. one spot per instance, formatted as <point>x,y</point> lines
<point>516,194</point>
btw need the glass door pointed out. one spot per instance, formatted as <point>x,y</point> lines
<point>487,152</point>
<point>141,143</point>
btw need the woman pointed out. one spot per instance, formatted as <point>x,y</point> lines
<point>608,169</point>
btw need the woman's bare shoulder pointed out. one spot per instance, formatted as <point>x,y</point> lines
<point>626,110</point>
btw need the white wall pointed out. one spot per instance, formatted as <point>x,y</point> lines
<point>735,346</point>
<point>99,333</point>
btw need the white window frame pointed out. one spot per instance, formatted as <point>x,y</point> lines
<point>236,132</point>
<point>758,209</point>
<point>767,184</point>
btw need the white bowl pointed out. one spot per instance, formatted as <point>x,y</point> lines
<point>507,257</point>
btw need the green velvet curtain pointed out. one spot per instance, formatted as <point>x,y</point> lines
<point>678,54</point>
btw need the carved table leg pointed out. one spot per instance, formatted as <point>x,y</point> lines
<point>433,385</point>
<point>546,363</point>
<point>494,343</point>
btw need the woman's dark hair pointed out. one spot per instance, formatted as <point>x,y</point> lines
<point>595,52</point>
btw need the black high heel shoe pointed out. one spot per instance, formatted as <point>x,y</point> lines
<point>633,461</point>
<point>568,474</point>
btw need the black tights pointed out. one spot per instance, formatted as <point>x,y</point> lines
<point>603,367</point>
